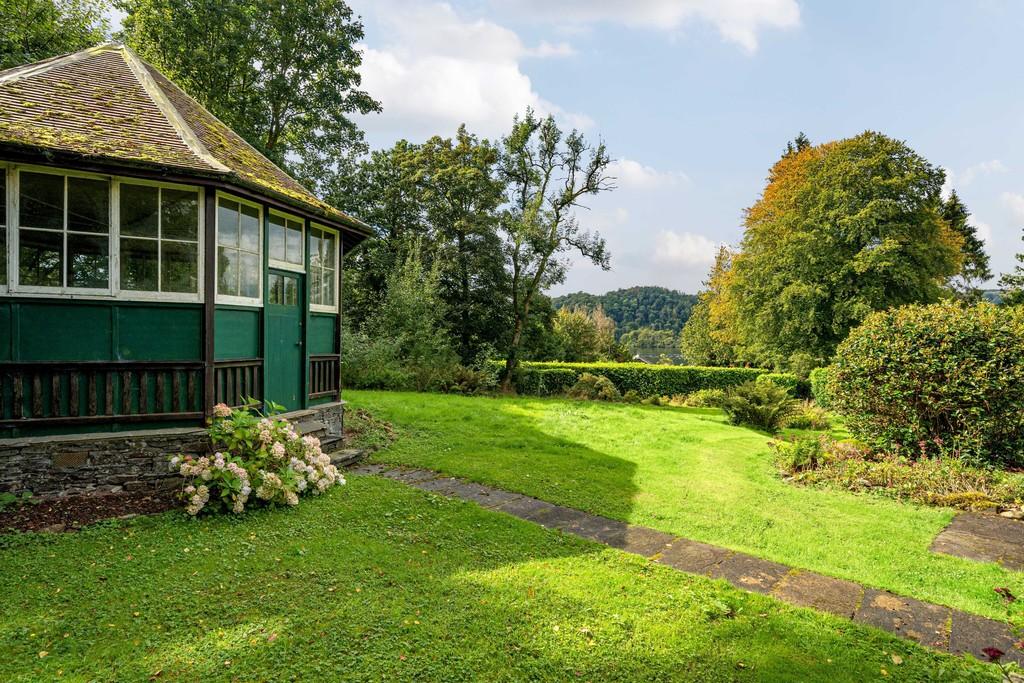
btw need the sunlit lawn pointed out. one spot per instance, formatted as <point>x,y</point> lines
<point>688,472</point>
<point>380,582</point>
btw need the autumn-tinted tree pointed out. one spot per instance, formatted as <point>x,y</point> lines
<point>842,229</point>
<point>705,341</point>
<point>31,30</point>
<point>548,174</point>
<point>284,75</point>
<point>975,269</point>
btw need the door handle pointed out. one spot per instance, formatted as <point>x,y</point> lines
<point>298,343</point>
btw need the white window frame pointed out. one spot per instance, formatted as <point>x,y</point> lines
<point>299,267</point>
<point>65,291</point>
<point>226,298</point>
<point>137,295</point>
<point>320,308</point>
<point>113,292</point>
<point>6,170</point>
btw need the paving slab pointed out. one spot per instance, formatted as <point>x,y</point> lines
<point>692,556</point>
<point>409,476</point>
<point>807,589</point>
<point>369,469</point>
<point>749,573</point>
<point>921,621</point>
<point>638,540</point>
<point>983,538</point>
<point>527,508</point>
<point>970,633</point>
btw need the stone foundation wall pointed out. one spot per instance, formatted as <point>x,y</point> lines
<point>82,463</point>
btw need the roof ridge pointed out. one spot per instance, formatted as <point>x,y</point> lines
<point>26,70</point>
<point>170,112</point>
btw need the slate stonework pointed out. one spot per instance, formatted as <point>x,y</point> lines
<point>83,463</point>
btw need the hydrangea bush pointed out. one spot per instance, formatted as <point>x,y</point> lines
<point>256,454</point>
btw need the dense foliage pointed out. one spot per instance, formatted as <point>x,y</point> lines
<point>649,338</point>
<point>32,30</point>
<point>819,381</point>
<point>285,76</point>
<point>256,454</point>
<point>701,342</point>
<point>841,230</point>
<point>762,405</point>
<point>947,482</point>
<point>936,380</point>
<point>1013,295</point>
<point>646,380</point>
<point>585,336</point>
<point>635,308</point>
<point>594,388</point>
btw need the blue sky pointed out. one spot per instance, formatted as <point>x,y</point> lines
<point>696,99</point>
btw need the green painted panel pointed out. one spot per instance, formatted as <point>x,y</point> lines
<point>160,333</point>
<point>64,331</point>
<point>236,333</point>
<point>322,333</point>
<point>5,330</point>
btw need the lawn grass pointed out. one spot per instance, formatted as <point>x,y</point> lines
<point>379,581</point>
<point>686,471</point>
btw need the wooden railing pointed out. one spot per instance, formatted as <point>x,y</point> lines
<point>324,375</point>
<point>236,380</point>
<point>81,392</point>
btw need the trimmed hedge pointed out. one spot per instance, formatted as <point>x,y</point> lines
<point>819,387</point>
<point>546,378</point>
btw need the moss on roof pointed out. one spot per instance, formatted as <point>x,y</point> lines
<point>107,103</point>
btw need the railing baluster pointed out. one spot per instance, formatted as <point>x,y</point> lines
<point>160,399</point>
<point>37,396</point>
<point>108,401</point>
<point>190,384</point>
<point>126,392</point>
<point>18,391</point>
<point>91,386</point>
<point>144,393</point>
<point>55,394</point>
<point>73,379</point>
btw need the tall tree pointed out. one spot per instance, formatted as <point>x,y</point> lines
<point>842,229</point>
<point>975,269</point>
<point>31,30</point>
<point>461,193</point>
<point>548,176</point>
<point>284,75</point>
<point>1013,284</point>
<point>704,340</point>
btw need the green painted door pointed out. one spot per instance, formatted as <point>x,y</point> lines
<point>284,338</point>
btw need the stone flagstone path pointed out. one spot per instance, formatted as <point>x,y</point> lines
<point>935,626</point>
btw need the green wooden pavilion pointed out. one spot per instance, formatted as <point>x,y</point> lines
<point>152,263</point>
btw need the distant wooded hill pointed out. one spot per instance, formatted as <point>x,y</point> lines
<point>631,309</point>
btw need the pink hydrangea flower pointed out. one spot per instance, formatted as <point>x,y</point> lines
<point>221,410</point>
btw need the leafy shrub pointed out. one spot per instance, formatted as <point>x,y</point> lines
<point>819,380</point>
<point>646,380</point>
<point>372,363</point>
<point>936,380</point>
<point>468,381</point>
<point>807,415</point>
<point>631,396</point>
<point>948,482</point>
<point>706,398</point>
<point>794,385</point>
<point>594,388</point>
<point>255,454</point>
<point>798,455</point>
<point>763,405</point>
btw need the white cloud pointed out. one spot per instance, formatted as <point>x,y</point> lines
<point>1015,202</point>
<point>631,174</point>
<point>437,69</point>
<point>738,21</point>
<point>983,229</point>
<point>685,249</point>
<point>982,169</point>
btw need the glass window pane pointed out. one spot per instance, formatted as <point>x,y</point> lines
<point>40,256</point>
<point>3,256</point>
<point>328,287</point>
<point>42,201</point>
<point>179,267</point>
<point>294,247</point>
<point>139,264</point>
<point>250,229</point>
<point>227,269</point>
<point>328,250</point>
<point>314,248</point>
<point>88,261</point>
<point>88,205</point>
<point>276,293</point>
<point>227,223</point>
<point>250,275</point>
<point>277,240</point>
<point>291,291</point>
<point>139,206</point>
<point>179,214</point>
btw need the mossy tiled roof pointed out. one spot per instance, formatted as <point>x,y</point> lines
<point>106,103</point>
